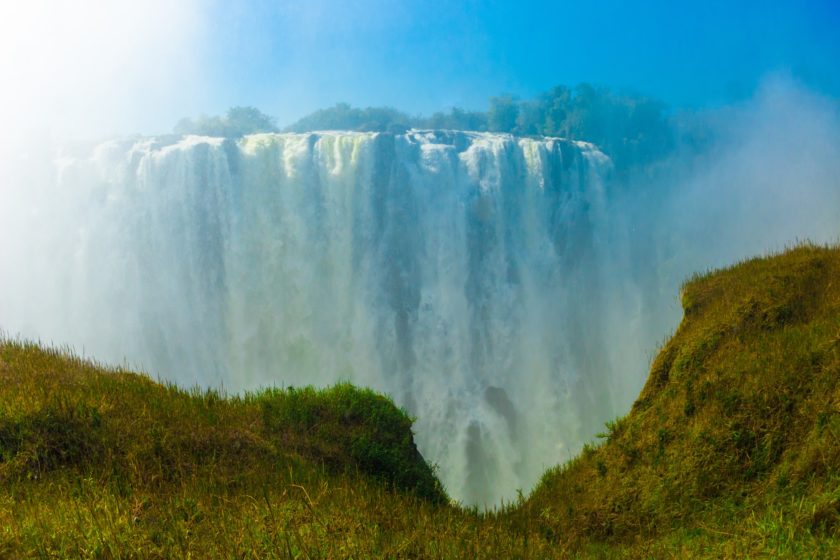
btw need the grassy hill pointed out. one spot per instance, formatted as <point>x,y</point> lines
<point>732,447</point>
<point>99,463</point>
<point>731,450</point>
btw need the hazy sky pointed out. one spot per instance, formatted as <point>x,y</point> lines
<point>106,66</point>
<point>425,55</point>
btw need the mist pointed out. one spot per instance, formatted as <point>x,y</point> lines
<point>772,177</point>
<point>572,332</point>
<point>75,75</point>
<point>512,345</point>
<point>768,178</point>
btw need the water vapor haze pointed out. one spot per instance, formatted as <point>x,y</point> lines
<point>772,176</point>
<point>768,177</point>
<point>97,68</point>
<point>591,272</point>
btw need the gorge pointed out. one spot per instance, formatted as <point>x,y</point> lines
<point>505,291</point>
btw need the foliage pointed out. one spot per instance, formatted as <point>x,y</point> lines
<point>502,114</point>
<point>456,119</point>
<point>238,122</point>
<point>385,119</point>
<point>344,117</point>
<point>343,420</point>
<point>634,130</point>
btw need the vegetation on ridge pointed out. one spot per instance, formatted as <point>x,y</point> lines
<point>237,122</point>
<point>730,451</point>
<point>634,130</point>
<point>735,434</point>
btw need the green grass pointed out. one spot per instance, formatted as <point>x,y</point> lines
<point>98,463</point>
<point>731,451</point>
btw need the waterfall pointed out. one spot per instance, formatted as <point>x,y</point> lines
<point>461,273</point>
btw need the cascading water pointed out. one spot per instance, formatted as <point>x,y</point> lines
<point>461,273</point>
<point>485,282</point>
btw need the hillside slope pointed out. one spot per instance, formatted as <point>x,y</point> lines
<point>732,447</point>
<point>731,450</point>
<point>103,463</point>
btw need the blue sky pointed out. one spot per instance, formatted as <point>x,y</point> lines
<point>290,58</point>
<point>118,66</point>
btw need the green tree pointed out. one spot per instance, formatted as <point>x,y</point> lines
<point>456,119</point>
<point>556,103</point>
<point>238,122</point>
<point>502,114</point>
<point>343,116</point>
<point>531,118</point>
<point>248,120</point>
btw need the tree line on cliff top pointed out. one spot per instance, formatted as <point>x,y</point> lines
<point>634,130</point>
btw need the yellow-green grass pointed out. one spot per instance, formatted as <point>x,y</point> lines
<point>730,451</point>
<point>732,447</point>
<point>98,463</point>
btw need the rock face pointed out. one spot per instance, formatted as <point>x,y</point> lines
<point>458,272</point>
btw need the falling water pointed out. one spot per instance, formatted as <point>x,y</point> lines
<point>461,273</point>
